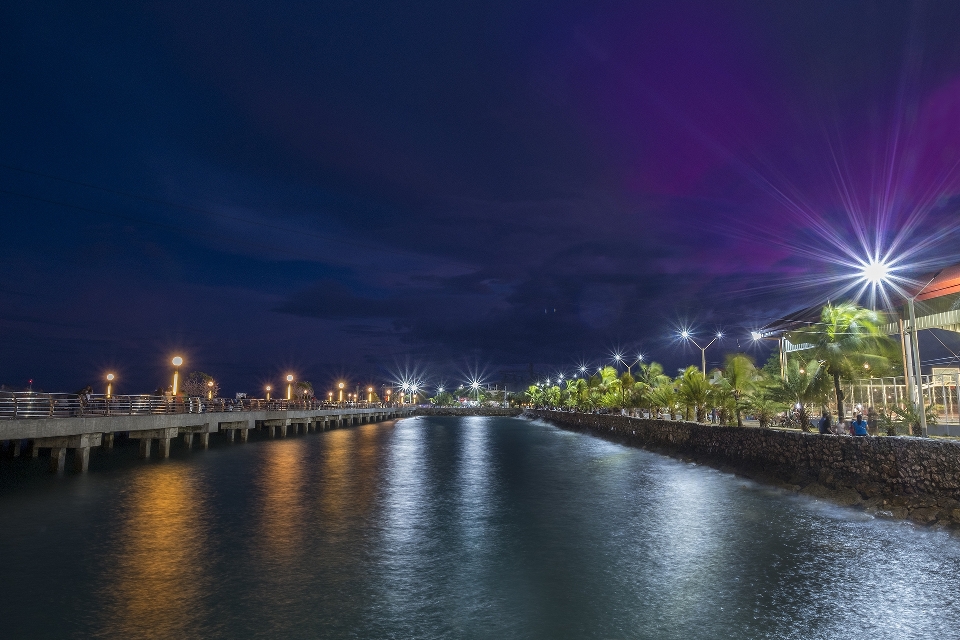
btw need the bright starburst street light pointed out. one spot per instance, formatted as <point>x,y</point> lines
<point>875,272</point>
<point>686,335</point>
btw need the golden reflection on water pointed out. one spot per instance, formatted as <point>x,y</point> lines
<point>347,494</point>
<point>282,513</point>
<point>155,586</point>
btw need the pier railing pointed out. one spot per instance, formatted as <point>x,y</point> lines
<point>26,404</point>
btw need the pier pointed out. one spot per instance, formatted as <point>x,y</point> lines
<point>61,422</point>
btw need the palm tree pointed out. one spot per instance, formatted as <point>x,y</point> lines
<point>693,390</point>
<point>741,376</point>
<point>663,396</point>
<point>807,384</point>
<point>847,337</point>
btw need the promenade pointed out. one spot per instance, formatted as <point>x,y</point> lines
<point>30,423</point>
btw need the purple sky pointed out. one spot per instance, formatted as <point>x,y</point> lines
<point>350,189</point>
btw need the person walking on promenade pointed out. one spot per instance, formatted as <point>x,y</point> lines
<point>859,426</point>
<point>824,425</point>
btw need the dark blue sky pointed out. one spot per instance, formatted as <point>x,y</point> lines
<point>348,189</point>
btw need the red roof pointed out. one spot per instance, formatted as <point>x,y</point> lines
<point>947,281</point>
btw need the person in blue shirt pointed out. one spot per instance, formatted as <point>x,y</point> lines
<point>859,426</point>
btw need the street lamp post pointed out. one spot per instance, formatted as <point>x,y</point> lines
<point>210,390</point>
<point>268,393</point>
<point>109,385</point>
<point>340,397</point>
<point>369,395</point>
<point>703,350</point>
<point>289,386</point>
<point>177,361</point>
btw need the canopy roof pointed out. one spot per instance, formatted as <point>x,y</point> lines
<point>942,283</point>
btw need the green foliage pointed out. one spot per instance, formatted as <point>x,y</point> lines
<point>847,337</point>
<point>196,384</point>
<point>444,399</point>
<point>693,392</point>
<point>904,419</point>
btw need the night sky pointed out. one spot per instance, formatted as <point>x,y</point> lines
<point>358,189</point>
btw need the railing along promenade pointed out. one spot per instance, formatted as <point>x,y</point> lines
<point>25,404</point>
<point>60,421</point>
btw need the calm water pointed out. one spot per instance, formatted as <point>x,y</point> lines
<point>452,528</point>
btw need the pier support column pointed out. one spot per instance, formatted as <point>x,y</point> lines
<point>34,449</point>
<point>163,446</point>
<point>244,434</point>
<point>229,433</point>
<point>204,440</point>
<point>188,440</point>
<point>58,459</point>
<point>145,448</point>
<point>81,459</point>
<point>107,441</point>
<point>283,430</point>
<point>15,446</point>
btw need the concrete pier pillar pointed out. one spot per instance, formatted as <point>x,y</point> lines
<point>283,430</point>
<point>204,440</point>
<point>107,441</point>
<point>34,450</point>
<point>244,434</point>
<point>229,433</point>
<point>81,459</point>
<point>163,446</point>
<point>188,439</point>
<point>58,459</point>
<point>145,448</point>
<point>15,446</point>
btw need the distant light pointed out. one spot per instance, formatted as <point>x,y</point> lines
<point>756,335</point>
<point>177,361</point>
<point>719,334</point>
<point>210,384</point>
<point>369,389</point>
<point>439,389</point>
<point>583,369</point>
<point>866,365</point>
<point>875,272</point>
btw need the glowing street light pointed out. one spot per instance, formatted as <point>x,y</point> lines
<point>210,390</point>
<point>177,361</point>
<point>268,392</point>
<point>290,386</point>
<point>109,384</point>
<point>369,395</point>
<point>340,397</point>
<point>703,350</point>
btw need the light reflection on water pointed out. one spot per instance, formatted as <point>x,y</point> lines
<point>154,584</point>
<point>457,528</point>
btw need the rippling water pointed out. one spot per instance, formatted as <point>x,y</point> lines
<point>452,528</point>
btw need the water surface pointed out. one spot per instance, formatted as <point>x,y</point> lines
<point>448,527</point>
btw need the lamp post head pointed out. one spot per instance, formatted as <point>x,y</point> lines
<point>210,384</point>
<point>110,376</point>
<point>756,335</point>
<point>290,378</point>
<point>875,272</point>
<point>719,334</point>
<point>177,361</point>
<point>685,334</point>
<point>369,389</point>
<point>340,386</point>
<point>269,387</point>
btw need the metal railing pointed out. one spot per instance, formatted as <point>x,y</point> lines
<point>27,404</point>
<point>939,390</point>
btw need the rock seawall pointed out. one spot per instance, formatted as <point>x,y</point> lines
<point>902,477</point>
<point>466,411</point>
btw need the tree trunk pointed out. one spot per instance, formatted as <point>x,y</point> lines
<point>839,392</point>
<point>736,399</point>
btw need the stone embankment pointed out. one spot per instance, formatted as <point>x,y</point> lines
<point>899,477</point>
<point>466,411</point>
